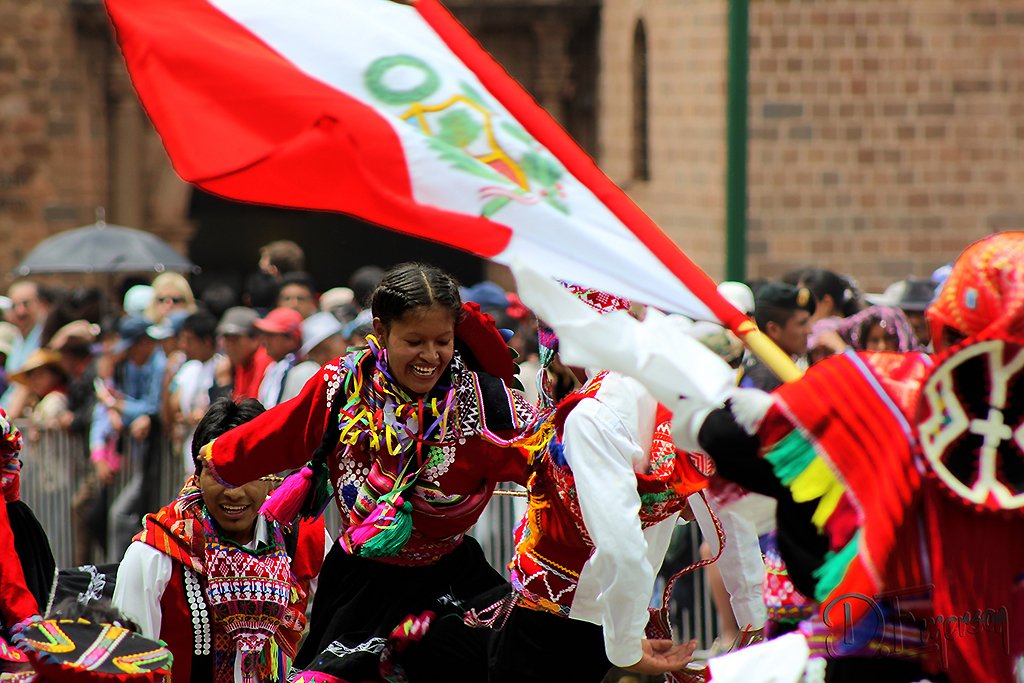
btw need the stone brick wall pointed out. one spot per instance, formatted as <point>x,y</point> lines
<point>52,169</point>
<point>884,135</point>
<point>686,59</point>
<point>72,134</point>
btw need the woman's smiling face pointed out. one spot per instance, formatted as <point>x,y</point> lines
<point>234,510</point>
<point>420,345</point>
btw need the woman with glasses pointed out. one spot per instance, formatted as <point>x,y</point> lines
<point>171,292</point>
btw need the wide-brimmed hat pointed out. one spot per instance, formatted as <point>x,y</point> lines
<point>40,358</point>
<point>910,294</point>
<point>92,652</point>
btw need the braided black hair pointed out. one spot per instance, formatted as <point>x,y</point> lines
<point>409,286</point>
<point>222,415</point>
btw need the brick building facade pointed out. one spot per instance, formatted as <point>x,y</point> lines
<point>884,134</point>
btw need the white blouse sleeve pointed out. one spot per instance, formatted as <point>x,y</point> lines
<point>142,579</point>
<point>601,452</point>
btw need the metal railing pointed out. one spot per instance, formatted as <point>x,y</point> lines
<point>55,463</point>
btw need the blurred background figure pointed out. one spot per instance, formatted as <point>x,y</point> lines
<point>321,343</point>
<point>46,382</point>
<point>246,359</point>
<point>280,257</point>
<point>341,302</point>
<point>189,391</point>
<point>297,291</point>
<point>281,336</point>
<point>912,295</point>
<point>27,314</point>
<point>129,404</point>
<point>171,292</point>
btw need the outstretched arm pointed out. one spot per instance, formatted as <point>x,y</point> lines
<point>282,438</point>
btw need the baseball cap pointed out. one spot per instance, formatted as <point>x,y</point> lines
<point>238,320</point>
<point>130,329</point>
<point>738,294</point>
<point>317,328</point>
<point>169,327</point>
<point>281,321</point>
<point>783,295</point>
<point>137,298</point>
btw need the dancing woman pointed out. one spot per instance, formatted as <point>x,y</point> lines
<point>412,433</point>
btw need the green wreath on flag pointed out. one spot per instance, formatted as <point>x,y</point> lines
<point>464,119</point>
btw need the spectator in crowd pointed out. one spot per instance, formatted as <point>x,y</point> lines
<point>27,314</point>
<point>297,291</point>
<point>247,360</point>
<point>166,333</point>
<point>783,312</point>
<point>260,292</point>
<point>132,402</point>
<point>281,336</point>
<point>171,292</point>
<point>74,342</point>
<point>363,282</point>
<point>137,300</point>
<point>357,329</point>
<point>46,381</point>
<point>836,295</point>
<point>280,257</point>
<point>881,328</point>
<point>8,334</point>
<point>190,389</point>
<point>321,343</point>
<point>341,302</point>
<point>911,295</point>
<point>218,297</point>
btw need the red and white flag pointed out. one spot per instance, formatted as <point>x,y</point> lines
<point>392,113</point>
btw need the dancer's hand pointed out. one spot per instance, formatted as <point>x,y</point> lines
<point>661,656</point>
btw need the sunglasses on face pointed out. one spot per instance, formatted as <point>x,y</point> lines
<point>171,300</point>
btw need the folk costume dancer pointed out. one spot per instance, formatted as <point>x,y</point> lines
<point>413,434</point>
<point>27,567</point>
<point>747,518</point>
<point>219,583</point>
<point>900,481</point>
<point>605,491</point>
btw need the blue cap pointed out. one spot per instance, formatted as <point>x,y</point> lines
<point>130,329</point>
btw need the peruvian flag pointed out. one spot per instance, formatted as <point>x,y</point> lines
<point>392,113</point>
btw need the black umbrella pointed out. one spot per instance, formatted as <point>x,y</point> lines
<point>103,248</point>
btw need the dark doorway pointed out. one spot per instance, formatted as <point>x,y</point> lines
<point>229,234</point>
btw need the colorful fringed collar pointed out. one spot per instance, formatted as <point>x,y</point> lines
<point>248,590</point>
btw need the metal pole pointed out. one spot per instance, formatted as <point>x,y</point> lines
<point>736,143</point>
